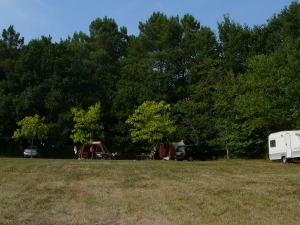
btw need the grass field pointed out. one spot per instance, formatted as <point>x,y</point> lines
<point>48,191</point>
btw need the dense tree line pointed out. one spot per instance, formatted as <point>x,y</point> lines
<point>233,88</point>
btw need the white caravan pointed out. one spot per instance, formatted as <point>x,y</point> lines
<point>284,145</point>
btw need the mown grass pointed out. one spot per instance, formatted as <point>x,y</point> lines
<point>48,191</point>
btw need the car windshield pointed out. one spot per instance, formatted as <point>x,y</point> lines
<point>180,148</point>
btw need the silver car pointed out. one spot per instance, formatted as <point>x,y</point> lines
<point>31,151</point>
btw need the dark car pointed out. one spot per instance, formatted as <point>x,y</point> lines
<point>31,151</point>
<point>191,152</point>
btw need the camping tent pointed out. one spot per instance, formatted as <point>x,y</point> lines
<point>91,151</point>
<point>167,150</point>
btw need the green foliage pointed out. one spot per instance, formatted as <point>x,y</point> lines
<point>251,106</point>
<point>151,122</point>
<point>236,45</point>
<point>87,124</point>
<point>230,91</point>
<point>12,38</point>
<point>32,127</point>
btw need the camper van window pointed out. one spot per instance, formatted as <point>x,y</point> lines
<point>272,143</point>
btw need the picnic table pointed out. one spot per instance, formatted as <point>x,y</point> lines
<point>145,156</point>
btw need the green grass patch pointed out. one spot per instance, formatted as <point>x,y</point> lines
<point>48,191</point>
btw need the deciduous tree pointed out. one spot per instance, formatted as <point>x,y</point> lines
<point>87,124</point>
<point>151,122</point>
<point>32,127</point>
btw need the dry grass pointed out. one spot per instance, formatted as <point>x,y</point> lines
<point>47,191</point>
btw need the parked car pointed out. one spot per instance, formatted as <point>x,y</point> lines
<point>31,151</point>
<point>191,152</point>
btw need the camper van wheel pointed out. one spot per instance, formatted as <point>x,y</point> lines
<point>191,158</point>
<point>284,159</point>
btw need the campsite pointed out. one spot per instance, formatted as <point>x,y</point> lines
<point>97,150</point>
<point>123,192</point>
<point>177,77</point>
<point>107,110</point>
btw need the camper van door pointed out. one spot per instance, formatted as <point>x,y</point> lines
<point>288,145</point>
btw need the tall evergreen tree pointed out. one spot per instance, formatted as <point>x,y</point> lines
<point>236,45</point>
<point>11,44</point>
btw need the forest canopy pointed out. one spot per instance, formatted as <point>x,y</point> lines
<point>236,86</point>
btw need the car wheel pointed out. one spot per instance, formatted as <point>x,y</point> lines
<point>190,158</point>
<point>284,159</point>
<point>213,157</point>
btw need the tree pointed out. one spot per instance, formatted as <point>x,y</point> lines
<point>249,106</point>
<point>10,47</point>
<point>151,122</point>
<point>192,121</point>
<point>32,127</point>
<point>12,38</point>
<point>203,69</point>
<point>235,40</point>
<point>105,46</point>
<point>87,123</point>
<point>281,26</point>
<point>267,103</point>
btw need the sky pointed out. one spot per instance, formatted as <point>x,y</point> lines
<point>61,18</point>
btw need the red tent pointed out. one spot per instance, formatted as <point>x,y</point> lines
<point>91,151</point>
<point>167,150</point>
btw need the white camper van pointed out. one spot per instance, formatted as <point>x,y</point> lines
<point>284,145</point>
